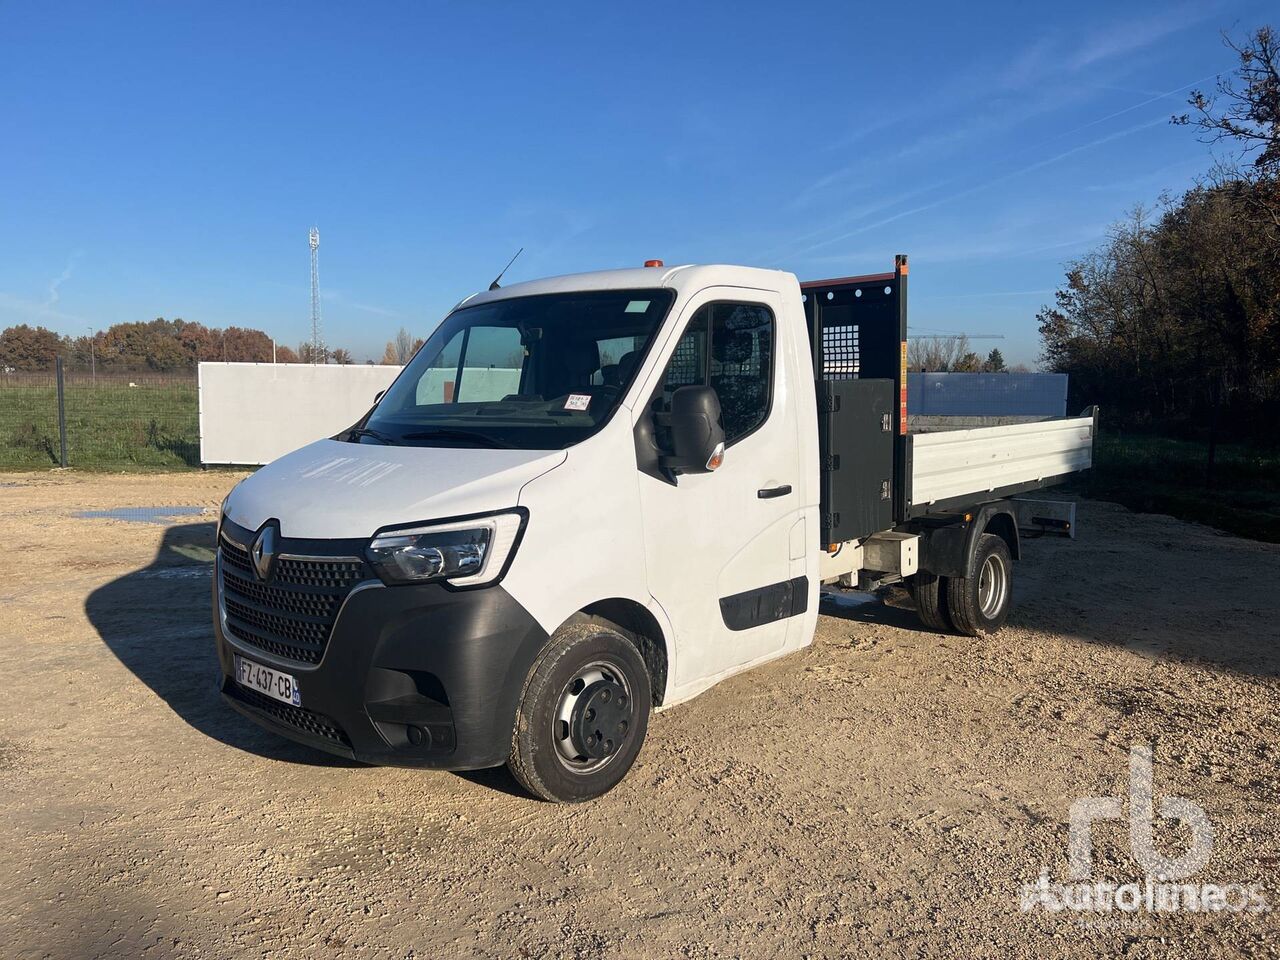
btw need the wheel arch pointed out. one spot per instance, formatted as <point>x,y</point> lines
<point>947,549</point>
<point>642,626</point>
<point>1003,524</point>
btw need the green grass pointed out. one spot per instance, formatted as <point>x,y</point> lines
<point>110,425</point>
<point>155,426</point>
<point>1161,475</point>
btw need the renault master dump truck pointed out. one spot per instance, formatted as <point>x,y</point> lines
<point>592,496</point>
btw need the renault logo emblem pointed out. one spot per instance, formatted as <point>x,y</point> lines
<point>264,552</point>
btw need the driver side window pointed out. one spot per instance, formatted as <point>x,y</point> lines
<point>729,346</point>
<point>491,365</point>
<point>479,364</point>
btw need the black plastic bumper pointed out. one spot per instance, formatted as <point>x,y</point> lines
<point>417,676</point>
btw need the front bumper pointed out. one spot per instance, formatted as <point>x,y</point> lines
<point>419,675</point>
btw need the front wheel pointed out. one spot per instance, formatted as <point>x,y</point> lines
<point>980,602</point>
<point>583,714</point>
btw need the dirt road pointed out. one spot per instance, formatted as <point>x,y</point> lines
<point>886,792</point>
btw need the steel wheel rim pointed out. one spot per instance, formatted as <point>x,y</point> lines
<point>567,724</point>
<point>993,586</point>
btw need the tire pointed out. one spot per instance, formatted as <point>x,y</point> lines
<point>979,604</point>
<point>583,714</point>
<point>930,594</point>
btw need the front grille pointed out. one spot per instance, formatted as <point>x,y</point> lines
<point>308,721</point>
<point>292,615</point>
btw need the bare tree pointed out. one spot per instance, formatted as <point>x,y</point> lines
<point>1174,321</point>
<point>308,354</point>
<point>1245,109</point>
<point>401,349</point>
<point>936,354</point>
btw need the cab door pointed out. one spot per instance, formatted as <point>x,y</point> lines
<point>718,545</point>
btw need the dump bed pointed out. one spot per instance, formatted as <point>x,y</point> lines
<point>962,467</point>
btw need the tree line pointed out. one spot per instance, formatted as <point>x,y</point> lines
<point>1173,322</point>
<point>953,355</point>
<point>161,345</point>
<point>401,348</point>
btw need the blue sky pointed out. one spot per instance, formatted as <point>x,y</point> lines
<point>168,159</point>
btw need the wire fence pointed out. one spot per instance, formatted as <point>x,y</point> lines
<point>145,420</point>
<point>116,420</point>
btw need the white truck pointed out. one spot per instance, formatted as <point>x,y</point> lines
<point>593,496</point>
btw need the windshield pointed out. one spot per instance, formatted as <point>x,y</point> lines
<point>531,373</point>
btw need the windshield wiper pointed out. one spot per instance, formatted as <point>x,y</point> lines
<point>446,433</point>
<point>355,433</point>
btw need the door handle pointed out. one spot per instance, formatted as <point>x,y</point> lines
<point>768,493</point>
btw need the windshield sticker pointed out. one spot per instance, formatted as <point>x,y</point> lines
<point>578,401</point>
<point>638,306</point>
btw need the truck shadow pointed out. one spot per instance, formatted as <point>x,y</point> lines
<point>498,779</point>
<point>869,608</point>
<point>1101,594</point>
<point>157,622</point>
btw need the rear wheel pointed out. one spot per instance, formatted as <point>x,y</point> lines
<point>583,715</point>
<point>930,594</point>
<point>980,602</point>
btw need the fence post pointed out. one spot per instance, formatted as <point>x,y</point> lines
<point>62,413</point>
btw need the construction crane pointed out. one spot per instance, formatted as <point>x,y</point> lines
<point>955,336</point>
<point>317,341</point>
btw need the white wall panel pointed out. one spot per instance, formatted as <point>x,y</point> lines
<point>251,413</point>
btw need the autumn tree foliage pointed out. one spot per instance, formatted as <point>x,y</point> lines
<point>160,345</point>
<point>28,348</point>
<point>1174,321</point>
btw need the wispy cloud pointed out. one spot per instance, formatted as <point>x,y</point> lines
<point>1129,36</point>
<point>978,187</point>
<point>545,231</point>
<point>370,308</point>
<point>55,285</point>
<point>1155,179</point>
<point>336,296</point>
<point>1046,76</point>
<point>870,208</point>
<point>1015,241</point>
<point>1028,65</point>
<point>982,296</point>
<point>1137,106</point>
<point>35,310</point>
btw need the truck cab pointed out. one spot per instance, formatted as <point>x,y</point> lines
<point>584,498</point>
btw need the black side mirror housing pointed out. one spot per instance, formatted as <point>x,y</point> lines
<point>378,396</point>
<point>697,438</point>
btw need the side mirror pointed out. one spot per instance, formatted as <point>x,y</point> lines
<point>696,434</point>
<point>378,396</point>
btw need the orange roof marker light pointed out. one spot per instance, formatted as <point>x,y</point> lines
<point>653,263</point>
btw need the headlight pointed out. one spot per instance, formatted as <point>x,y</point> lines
<point>222,513</point>
<point>465,553</point>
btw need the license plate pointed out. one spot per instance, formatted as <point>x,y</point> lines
<point>272,683</point>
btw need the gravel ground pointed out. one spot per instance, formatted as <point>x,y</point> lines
<point>886,792</point>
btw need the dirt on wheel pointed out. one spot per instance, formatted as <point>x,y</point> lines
<point>887,792</point>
